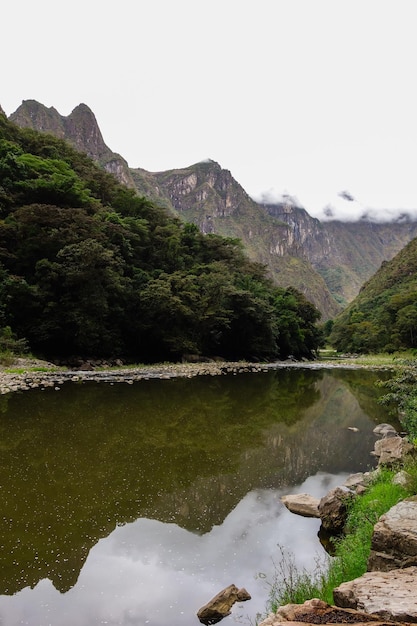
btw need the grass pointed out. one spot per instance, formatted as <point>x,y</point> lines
<point>381,359</point>
<point>24,370</point>
<point>291,585</point>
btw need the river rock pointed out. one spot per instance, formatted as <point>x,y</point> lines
<point>404,479</point>
<point>302,504</point>
<point>385,430</point>
<point>394,539</point>
<point>317,612</point>
<point>389,596</point>
<point>219,606</point>
<point>358,482</point>
<point>333,509</point>
<point>392,450</point>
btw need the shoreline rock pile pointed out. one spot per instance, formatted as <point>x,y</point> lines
<point>387,592</point>
<point>49,375</point>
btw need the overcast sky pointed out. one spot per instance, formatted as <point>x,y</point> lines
<point>305,97</point>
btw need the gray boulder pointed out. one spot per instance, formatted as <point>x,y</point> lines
<point>392,450</point>
<point>333,509</point>
<point>390,596</point>
<point>302,504</point>
<point>394,540</point>
<point>385,430</point>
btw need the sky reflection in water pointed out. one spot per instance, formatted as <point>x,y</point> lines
<point>133,505</point>
<point>149,572</point>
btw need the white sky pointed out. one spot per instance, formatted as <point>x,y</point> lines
<point>306,97</point>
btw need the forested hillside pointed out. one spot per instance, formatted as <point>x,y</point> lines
<point>87,267</point>
<point>327,261</point>
<point>384,315</point>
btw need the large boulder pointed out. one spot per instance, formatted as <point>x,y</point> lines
<point>388,596</point>
<point>394,539</point>
<point>333,509</point>
<point>302,504</point>
<point>392,450</point>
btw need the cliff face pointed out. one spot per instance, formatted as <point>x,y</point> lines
<point>80,128</point>
<point>209,196</point>
<point>327,261</point>
<point>345,254</point>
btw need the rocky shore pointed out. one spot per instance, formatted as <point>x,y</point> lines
<point>25,374</point>
<point>386,594</point>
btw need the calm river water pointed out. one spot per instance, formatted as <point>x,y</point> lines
<point>136,504</point>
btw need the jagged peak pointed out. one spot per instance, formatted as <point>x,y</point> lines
<point>82,107</point>
<point>209,162</point>
<point>33,106</point>
<point>82,110</point>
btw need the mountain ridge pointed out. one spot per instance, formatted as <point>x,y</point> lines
<point>327,261</point>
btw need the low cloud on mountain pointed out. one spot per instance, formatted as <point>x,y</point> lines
<point>342,206</point>
<point>346,208</point>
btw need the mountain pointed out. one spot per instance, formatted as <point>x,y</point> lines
<point>90,268</point>
<point>384,314</point>
<point>327,261</point>
<point>80,128</point>
<point>345,254</point>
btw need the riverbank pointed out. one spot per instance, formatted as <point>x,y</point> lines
<point>26,373</point>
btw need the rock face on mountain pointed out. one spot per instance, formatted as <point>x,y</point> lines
<point>327,261</point>
<point>80,128</point>
<point>345,254</point>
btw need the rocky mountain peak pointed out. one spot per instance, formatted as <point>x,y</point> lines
<point>33,114</point>
<point>80,128</point>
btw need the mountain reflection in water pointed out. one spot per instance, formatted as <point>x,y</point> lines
<point>139,503</point>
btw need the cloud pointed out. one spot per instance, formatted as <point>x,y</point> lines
<point>342,206</point>
<point>345,208</point>
<point>272,196</point>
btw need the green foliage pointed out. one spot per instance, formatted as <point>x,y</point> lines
<point>89,268</point>
<point>383,317</point>
<point>402,396</point>
<point>10,346</point>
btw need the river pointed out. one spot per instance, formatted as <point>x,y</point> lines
<point>135,504</point>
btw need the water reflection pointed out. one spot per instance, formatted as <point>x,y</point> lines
<point>149,572</point>
<point>119,480</point>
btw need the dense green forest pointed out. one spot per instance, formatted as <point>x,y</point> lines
<point>89,268</point>
<point>383,317</point>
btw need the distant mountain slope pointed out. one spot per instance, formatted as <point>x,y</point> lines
<point>346,254</point>
<point>327,261</point>
<point>384,314</point>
